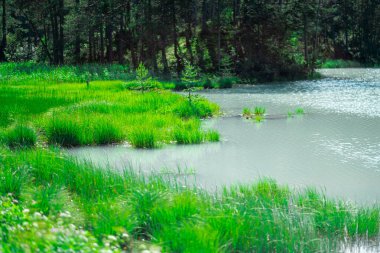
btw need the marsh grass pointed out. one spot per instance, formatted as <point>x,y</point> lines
<point>299,111</point>
<point>247,113</point>
<point>143,138</point>
<point>263,217</point>
<point>29,73</point>
<point>69,114</point>
<point>259,111</point>
<point>20,136</point>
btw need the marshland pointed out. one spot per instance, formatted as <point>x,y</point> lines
<point>189,126</point>
<point>105,166</point>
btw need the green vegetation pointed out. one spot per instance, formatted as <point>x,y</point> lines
<point>259,111</point>
<point>75,205</point>
<point>247,113</point>
<point>20,136</point>
<point>299,111</point>
<point>29,73</point>
<point>330,64</point>
<point>105,112</point>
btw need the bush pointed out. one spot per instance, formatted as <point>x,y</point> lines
<point>207,84</point>
<point>226,82</point>
<point>21,136</point>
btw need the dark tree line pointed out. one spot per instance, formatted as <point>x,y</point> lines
<point>268,39</point>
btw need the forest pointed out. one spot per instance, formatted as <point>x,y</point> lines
<point>267,40</point>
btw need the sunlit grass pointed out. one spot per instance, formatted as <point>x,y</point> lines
<point>182,219</point>
<point>72,114</point>
<point>247,113</point>
<point>259,111</point>
<point>20,136</point>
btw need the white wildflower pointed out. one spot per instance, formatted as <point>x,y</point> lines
<point>112,238</point>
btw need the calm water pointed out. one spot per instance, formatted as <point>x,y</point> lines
<point>335,146</point>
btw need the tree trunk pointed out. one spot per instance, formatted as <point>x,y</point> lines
<point>101,56</point>
<point>175,39</point>
<point>3,44</point>
<point>77,34</point>
<point>61,43</point>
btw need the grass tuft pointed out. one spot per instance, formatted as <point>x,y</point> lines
<point>20,136</point>
<point>259,111</point>
<point>143,138</point>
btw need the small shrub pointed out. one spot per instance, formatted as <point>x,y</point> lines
<point>143,78</point>
<point>178,86</point>
<point>21,136</point>
<point>207,84</point>
<point>225,82</point>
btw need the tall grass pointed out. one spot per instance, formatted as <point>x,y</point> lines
<point>20,136</point>
<point>72,114</point>
<point>143,138</point>
<point>33,74</point>
<point>261,217</point>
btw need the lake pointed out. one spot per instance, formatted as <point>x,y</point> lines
<point>334,146</point>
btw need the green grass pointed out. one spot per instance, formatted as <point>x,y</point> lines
<point>72,114</point>
<point>29,73</point>
<point>299,111</point>
<point>259,111</point>
<point>52,202</point>
<point>247,113</point>
<point>99,203</point>
<point>20,136</point>
<point>143,138</point>
<point>330,63</point>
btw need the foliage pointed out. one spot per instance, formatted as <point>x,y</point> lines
<point>143,78</point>
<point>106,210</point>
<point>329,63</point>
<point>71,114</point>
<point>225,82</point>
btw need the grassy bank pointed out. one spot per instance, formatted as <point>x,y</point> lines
<point>50,202</point>
<point>339,63</point>
<point>103,112</point>
<point>59,198</point>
